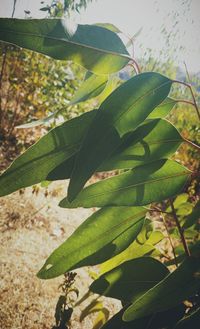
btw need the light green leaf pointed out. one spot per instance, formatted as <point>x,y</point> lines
<point>130,280</point>
<point>142,185</point>
<point>154,139</point>
<point>163,109</point>
<point>103,235</point>
<point>55,147</point>
<point>91,87</point>
<point>179,285</point>
<point>109,26</point>
<point>120,113</point>
<point>95,48</point>
<point>180,199</point>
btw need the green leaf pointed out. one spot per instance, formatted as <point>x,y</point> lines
<point>95,48</point>
<point>155,321</point>
<point>154,139</point>
<point>142,185</point>
<point>194,250</point>
<point>139,248</point>
<point>55,147</point>
<point>90,88</point>
<point>179,285</point>
<point>103,235</point>
<point>120,113</point>
<point>130,280</point>
<point>109,26</point>
<point>180,199</point>
<point>163,109</point>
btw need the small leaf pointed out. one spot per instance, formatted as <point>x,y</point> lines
<point>193,217</point>
<point>142,185</point>
<point>174,289</point>
<point>103,235</point>
<point>120,113</point>
<point>163,109</point>
<point>95,48</point>
<point>130,280</point>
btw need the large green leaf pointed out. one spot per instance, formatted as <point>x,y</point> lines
<point>121,112</point>
<point>94,47</point>
<point>154,321</point>
<point>142,185</point>
<point>131,279</point>
<point>154,139</point>
<point>179,285</point>
<point>34,165</point>
<point>91,87</point>
<point>103,235</point>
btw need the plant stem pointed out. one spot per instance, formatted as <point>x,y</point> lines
<point>191,143</point>
<point>187,251</point>
<point>194,103</point>
<point>169,238</point>
<point>135,65</point>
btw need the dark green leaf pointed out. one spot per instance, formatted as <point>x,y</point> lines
<point>142,185</point>
<point>154,139</point>
<point>103,235</point>
<point>120,113</point>
<point>96,48</point>
<point>155,321</point>
<point>193,217</point>
<point>131,279</point>
<point>179,285</point>
<point>34,165</point>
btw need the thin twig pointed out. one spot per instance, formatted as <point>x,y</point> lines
<point>194,103</point>
<point>170,240</point>
<point>187,251</point>
<point>191,143</point>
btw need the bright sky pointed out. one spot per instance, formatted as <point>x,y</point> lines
<point>172,25</point>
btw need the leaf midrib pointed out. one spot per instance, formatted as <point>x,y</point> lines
<point>135,185</point>
<point>66,41</point>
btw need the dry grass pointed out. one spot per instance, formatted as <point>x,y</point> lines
<point>31,227</point>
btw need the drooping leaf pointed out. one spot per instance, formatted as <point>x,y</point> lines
<point>120,113</point>
<point>103,235</point>
<point>179,285</point>
<point>154,139</point>
<point>55,147</point>
<point>142,185</point>
<point>131,279</point>
<point>90,88</point>
<point>94,47</point>
<point>155,321</point>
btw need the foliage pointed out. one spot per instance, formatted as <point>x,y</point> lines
<point>128,134</point>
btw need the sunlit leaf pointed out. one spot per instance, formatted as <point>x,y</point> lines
<point>96,48</point>
<point>120,113</point>
<point>103,235</point>
<point>142,185</point>
<point>179,285</point>
<point>131,279</point>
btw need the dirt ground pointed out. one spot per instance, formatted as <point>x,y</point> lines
<point>32,226</point>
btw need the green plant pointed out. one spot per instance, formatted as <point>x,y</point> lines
<point>128,133</point>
